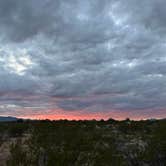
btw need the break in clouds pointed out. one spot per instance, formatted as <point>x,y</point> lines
<point>87,56</point>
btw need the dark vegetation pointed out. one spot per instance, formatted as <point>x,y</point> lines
<point>85,143</point>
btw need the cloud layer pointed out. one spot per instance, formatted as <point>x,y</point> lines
<point>83,56</point>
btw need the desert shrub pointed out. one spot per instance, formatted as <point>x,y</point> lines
<point>18,156</point>
<point>17,129</point>
<point>72,143</point>
<point>155,152</point>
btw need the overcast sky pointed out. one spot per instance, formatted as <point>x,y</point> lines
<point>83,58</point>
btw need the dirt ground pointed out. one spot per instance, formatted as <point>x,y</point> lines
<point>5,148</point>
<point>5,151</point>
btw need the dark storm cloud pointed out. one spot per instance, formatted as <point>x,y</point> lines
<point>79,55</point>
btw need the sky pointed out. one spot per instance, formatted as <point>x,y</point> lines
<point>83,59</point>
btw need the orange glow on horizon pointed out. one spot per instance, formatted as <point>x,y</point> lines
<point>83,115</point>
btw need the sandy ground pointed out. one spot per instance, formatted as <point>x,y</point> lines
<point>5,148</point>
<point>5,151</point>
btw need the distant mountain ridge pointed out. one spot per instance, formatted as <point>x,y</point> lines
<point>7,118</point>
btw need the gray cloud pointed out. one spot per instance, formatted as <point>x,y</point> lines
<point>78,55</point>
